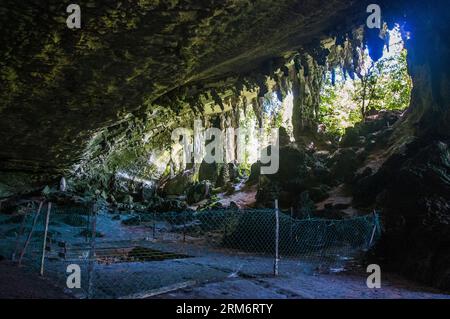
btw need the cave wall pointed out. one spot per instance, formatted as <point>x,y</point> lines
<point>306,86</point>
<point>60,87</point>
<point>412,188</point>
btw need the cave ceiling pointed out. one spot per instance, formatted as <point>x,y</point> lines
<point>59,87</point>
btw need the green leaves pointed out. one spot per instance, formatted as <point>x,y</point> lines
<point>386,85</point>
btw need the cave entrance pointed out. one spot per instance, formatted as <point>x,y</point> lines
<point>350,97</point>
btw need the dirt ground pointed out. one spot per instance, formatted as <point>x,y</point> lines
<point>214,273</point>
<point>326,286</point>
<point>18,283</point>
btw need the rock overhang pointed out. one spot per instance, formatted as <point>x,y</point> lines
<point>62,86</point>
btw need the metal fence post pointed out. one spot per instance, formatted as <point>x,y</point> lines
<point>277,238</point>
<point>44,244</point>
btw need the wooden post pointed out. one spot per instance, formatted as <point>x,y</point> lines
<point>373,230</point>
<point>277,238</point>
<point>292,222</point>
<point>92,252</point>
<point>21,231</point>
<point>47,218</point>
<point>30,233</point>
<point>184,227</point>
<point>154,225</point>
<point>86,237</point>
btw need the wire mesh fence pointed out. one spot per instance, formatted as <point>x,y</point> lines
<point>138,255</point>
<point>44,238</point>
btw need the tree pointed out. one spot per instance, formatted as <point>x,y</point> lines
<point>381,85</point>
<point>385,85</point>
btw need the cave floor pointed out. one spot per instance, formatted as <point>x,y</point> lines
<point>20,283</point>
<point>303,286</point>
<point>213,273</point>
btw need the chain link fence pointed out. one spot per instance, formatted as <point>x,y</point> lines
<point>138,255</point>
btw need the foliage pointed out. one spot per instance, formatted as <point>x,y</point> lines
<point>386,86</point>
<point>336,112</point>
<point>381,85</point>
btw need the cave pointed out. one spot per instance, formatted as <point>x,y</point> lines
<point>182,120</point>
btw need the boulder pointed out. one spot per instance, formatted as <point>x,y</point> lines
<point>415,202</point>
<point>177,185</point>
<point>375,129</point>
<point>295,169</point>
<point>219,174</point>
<point>255,171</point>
<point>172,205</point>
<point>224,175</point>
<point>284,138</point>
<point>148,192</point>
<point>319,193</point>
<point>344,164</point>
<point>198,191</point>
<point>233,206</point>
<point>208,172</point>
<point>234,172</point>
<point>350,138</point>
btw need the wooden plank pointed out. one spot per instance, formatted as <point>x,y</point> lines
<point>160,291</point>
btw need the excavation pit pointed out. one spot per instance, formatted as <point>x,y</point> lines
<point>134,254</point>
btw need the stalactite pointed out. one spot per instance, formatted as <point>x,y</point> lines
<point>302,74</point>
<point>244,105</point>
<point>235,111</point>
<point>374,42</point>
<point>278,92</point>
<point>262,85</point>
<point>306,78</point>
<point>256,105</point>
<point>217,99</point>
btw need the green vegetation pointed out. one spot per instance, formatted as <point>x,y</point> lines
<point>381,85</point>
<point>386,86</point>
